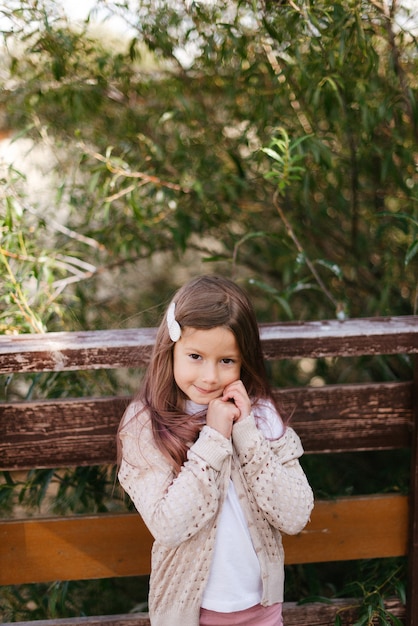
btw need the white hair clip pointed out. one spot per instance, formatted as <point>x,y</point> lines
<point>174,329</point>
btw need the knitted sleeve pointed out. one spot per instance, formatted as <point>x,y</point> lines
<point>274,476</point>
<point>173,507</point>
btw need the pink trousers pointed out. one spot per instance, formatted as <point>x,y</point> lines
<point>254,616</point>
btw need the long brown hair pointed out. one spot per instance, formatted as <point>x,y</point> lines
<point>203,303</point>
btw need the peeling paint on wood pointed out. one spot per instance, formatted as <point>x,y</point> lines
<point>132,347</point>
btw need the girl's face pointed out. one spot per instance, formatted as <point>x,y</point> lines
<point>205,362</point>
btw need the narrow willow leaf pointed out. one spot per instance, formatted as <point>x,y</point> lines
<point>411,252</point>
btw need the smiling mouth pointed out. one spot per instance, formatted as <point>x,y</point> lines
<point>205,392</point>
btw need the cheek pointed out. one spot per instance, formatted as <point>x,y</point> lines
<point>182,369</point>
<point>233,374</point>
<point>177,368</point>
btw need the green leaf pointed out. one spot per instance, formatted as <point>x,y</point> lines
<point>332,267</point>
<point>411,252</point>
<point>401,216</point>
<point>273,154</point>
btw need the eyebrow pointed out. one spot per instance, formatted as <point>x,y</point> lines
<point>230,355</point>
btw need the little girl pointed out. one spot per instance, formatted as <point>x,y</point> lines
<point>211,467</point>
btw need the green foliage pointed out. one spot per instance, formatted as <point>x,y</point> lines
<point>172,135</point>
<point>60,491</point>
<point>73,599</point>
<point>19,266</point>
<point>373,590</point>
<point>285,170</point>
<point>369,585</point>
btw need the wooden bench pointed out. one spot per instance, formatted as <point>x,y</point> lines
<point>331,418</point>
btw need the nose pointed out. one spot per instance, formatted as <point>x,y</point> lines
<point>209,374</point>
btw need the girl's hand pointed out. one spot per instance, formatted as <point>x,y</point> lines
<point>237,393</point>
<point>231,407</point>
<point>221,415</point>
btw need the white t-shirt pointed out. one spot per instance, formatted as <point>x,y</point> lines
<point>234,582</point>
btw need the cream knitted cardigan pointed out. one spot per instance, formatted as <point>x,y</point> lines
<point>181,512</point>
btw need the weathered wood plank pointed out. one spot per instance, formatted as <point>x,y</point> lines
<point>359,417</point>
<point>131,347</point>
<point>76,548</point>
<point>352,528</point>
<point>412,616</point>
<point>41,550</point>
<point>60,433</point>
<point>76,432</point>
<point>311,614</point>
<point>128,619</point>
<point>61,351</point>
<point>384,335</point>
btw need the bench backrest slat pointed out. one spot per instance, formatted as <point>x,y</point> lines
<point>71,432</point>
<point>132,347</point>
<point>412,584</point>
<point>84,547</point>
